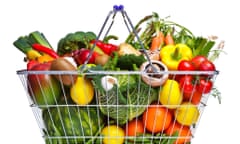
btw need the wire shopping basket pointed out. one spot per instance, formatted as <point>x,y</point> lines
<point>112,107</point>
<point>67,122</point>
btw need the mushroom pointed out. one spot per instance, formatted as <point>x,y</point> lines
<point>152,76</point>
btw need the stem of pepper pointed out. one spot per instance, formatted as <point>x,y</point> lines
<point>176,55</point>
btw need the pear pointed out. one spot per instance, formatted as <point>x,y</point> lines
<point>187,114</point>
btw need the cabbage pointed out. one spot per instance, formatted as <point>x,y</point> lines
<point>126,100</point>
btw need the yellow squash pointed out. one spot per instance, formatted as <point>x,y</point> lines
<point>82,91</point>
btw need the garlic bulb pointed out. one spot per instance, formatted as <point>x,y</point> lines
<point>108,82</point>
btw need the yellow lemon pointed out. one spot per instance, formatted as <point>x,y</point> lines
<point>113,134</point>
<point>82,91</point>
<point>170,95</point>
<point>187,114</point>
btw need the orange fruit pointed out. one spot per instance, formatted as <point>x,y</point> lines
<point>184,132</point>
<point>156,118</point>
<point>134,127</point>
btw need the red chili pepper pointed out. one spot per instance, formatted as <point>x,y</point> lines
<point>45,49</point>
<point>105,47</point>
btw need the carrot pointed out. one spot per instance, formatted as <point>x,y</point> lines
<point>168,39</point>
<point>157,41</point>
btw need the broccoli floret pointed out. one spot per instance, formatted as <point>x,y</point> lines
<point>127,62</point>
<point>74,41</point>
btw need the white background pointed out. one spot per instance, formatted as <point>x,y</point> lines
<point>219,123</point>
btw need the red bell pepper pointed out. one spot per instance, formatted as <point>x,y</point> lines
<point>81,55</point>
<point>105,47</point>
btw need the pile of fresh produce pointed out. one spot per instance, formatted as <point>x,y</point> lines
<point>103,102</point>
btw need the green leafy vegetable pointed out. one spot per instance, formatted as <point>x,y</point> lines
<point>130,96</point>
<point>126,62</point>
<point>126,100</point>
<point>159,138</point>
<point>74,41</point>
<point>202,46</point>
<point>78,123</point>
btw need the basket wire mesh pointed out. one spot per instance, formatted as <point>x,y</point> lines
<point>62,114</point>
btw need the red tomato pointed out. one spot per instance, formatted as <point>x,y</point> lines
<point>196,97</point>
<point>134,127</point>
<point>207,66</point>
<point>186,65</point>
<point>186,83</point>
<point>197,60</point>
<point>204,86</point>
<point>190,93</point>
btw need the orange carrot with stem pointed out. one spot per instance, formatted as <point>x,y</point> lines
<point>168,40</point>
<point>158,40</point>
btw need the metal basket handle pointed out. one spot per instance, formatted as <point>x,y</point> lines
<point>130,27</point>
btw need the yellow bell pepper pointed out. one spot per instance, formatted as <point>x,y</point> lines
<point>44,58</point>
<point>32,54</point>
<point>171,55</point>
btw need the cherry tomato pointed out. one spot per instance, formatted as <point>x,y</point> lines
<point>204,86</point>
<point>197,60</point>
<point>186,65</point>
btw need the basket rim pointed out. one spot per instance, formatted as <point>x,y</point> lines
<point>77,72</point>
